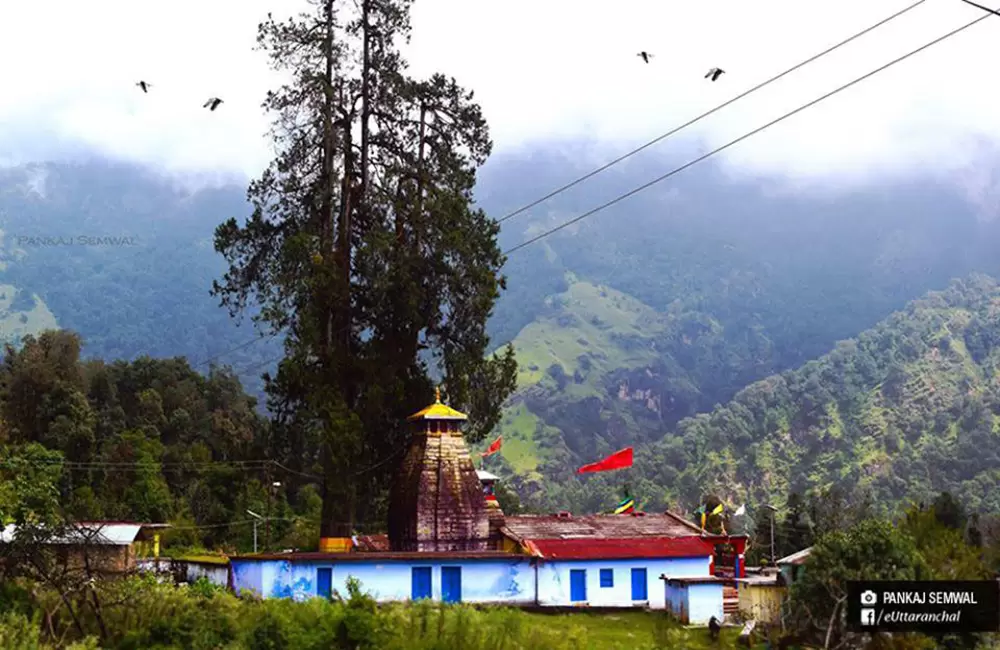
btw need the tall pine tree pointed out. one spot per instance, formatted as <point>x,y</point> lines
<point>365,249</point>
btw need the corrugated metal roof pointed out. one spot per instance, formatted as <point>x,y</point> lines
<point>372,543</point>
<point>115,534</point>
<point>620,549</point>
<point>697,580</point>
<point>428,556</point>
<point>761,581</point>
<point>536,527</point>
<point>796,558</point>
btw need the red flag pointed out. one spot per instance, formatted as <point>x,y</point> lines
<point>618,460</point>
<point>494,448</point>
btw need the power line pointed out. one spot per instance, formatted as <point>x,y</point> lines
<point>978,6</point>
<point>717,150</point>
<point>96,465</point>
<point>258,365</point>
<point>176,466</point>
<point>205,463</point>
<point>710,112</point>
<point>614,162</point>
<point>236,349</point>
<point>357,526</point>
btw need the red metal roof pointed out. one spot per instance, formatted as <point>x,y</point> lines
<point>536,527</point>
<point>621,548</point>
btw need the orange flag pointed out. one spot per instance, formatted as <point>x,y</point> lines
<point>494,448</point>
<point>618,460</point>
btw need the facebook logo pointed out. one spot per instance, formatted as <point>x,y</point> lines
<point>868,617</point>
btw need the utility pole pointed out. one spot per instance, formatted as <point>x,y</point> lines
<point>267,521</point>
<point>257,518</point>
<point>773,510</point>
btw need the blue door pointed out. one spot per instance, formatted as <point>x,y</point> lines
<point>639,585</point>
<point>324,582</point>
<point>451,584</point>
<point>578,585</point>
<point>421,582</point>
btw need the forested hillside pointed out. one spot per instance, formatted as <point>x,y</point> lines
<point>151,440</point>
<point>900,413</point>
<point>670,303</point>
<point>652,311</point>
<point>123,256</point>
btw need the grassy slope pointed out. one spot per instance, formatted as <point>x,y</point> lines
<point>581,333</point>
<point>15,324</point>
<point>628,630</point>
<point>891,411</point>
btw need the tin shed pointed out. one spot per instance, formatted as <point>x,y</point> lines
<point>760,597</point>
<point>695,600</point>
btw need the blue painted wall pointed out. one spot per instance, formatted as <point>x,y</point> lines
<point>704,602</point>
<point>694,604</point>
<point>675,599</point>
<point>247,576</point>
<point>554,580</point>
<point>483,581</point>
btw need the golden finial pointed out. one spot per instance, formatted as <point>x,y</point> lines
<point>437,394</point>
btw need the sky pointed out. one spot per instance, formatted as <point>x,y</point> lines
<point>543,71</point>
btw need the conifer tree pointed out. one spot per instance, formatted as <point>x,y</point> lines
<point>365,249</point>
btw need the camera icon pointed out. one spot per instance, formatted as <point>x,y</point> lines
<point>868,598</point>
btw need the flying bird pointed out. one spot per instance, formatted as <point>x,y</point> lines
<point>212,103</point>
<point>715,73</point>
<point>646,56</point>
<point>145,86</point>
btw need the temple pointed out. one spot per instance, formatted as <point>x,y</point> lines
<point>449,540</point>
<point>437,502</point>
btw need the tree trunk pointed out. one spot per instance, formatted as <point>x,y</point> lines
<point>332,302</point>
<point>365,99</point>
<point>833,619</point>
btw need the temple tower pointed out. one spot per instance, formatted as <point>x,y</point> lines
<point>437,501</point>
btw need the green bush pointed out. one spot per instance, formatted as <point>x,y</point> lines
<point>141,613</point>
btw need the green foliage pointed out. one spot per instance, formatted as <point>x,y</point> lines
<point>19,633</point>
<point>870,550</point>
<point>923,545</point>
<point>150,441</point>
<point>142,613</point>
<point>834,423</point>
<point>948,555</point>
<point>370,255</point>
<point>29,485</point>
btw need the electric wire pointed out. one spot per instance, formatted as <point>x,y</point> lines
<point>743,137</point>
<point>691,122</point>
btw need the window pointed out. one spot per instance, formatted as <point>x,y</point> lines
<point>607,578</point>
